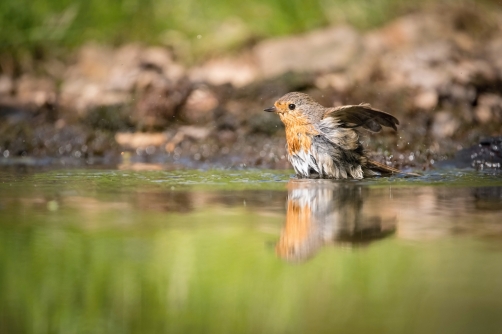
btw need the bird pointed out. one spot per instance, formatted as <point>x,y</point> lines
<point>326,142</point>
<point>320,213</point>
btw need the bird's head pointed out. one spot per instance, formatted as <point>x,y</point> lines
<point>297,107</point>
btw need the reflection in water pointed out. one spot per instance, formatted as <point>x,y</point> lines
<point>488,198</point>
<point>122,252</point>
<point>322,212</point>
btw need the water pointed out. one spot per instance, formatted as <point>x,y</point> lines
<point>111,251</point>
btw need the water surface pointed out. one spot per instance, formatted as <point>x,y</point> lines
<point>117,251</point>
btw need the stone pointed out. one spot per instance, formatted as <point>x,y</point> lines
<point>103,76</point>
<point>195,133</point>
<point>425,67</point>
<point>426,100</point>
<point>238,71</point>
<point>474,71</point>
<point>333,48</point>
<point>489,108</point>
<point>140,139</point>
<point>200,105</point>
<point>444,125</point>
<point>493,51</point>
<point>337,81</point>
<point>162,59</point>
<point>6,85</point>
<point>100,77</point>
<point>406,31</point>
<point>158,107</point>
<point>37,91</point>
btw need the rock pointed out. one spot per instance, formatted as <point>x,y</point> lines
<point>426,100</point>
<point>122,73</point>
<point>104,77</point>
<point>187,132</point>
<point>151,79</point>
<point>425,67</point>
<point>140,139</point>
<point>100,77</point>
<point>493,52</point>
<point>239,71</point>
<point>82,96</point>
<point>36,91</point>
<point>6,85</point>
<point>337,81</point>
<point>194,132</point>
<point>406,31</point>
<point>94,62</point>
<point>487,154</point>
<point>199,106</point>
<point>333,48</point>
<point>157,107</point>
<point>161,59</point>
<point>489,108</point>
<point>444,125</point>
<point>474,71</point>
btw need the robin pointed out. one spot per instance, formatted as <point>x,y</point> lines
<point>325,142</point>
<point>325,213</point>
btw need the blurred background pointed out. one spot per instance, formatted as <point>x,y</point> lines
<point>186,81</point>
<point>198,242</point>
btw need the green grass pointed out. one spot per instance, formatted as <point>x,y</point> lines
<point>194,28</point>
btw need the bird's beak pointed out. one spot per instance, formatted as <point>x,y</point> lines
<point>271,109</point>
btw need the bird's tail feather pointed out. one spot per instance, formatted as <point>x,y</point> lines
<point>379,167</point>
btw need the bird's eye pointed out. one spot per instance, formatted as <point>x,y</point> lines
<point>291,106</point>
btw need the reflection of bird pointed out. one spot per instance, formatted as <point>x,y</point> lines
<point>325,142</point>
<point>320,213</point>
<point>488,198</point>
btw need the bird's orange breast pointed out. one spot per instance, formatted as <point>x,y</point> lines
<point>298,140</point>
<point>296,230</point>
<point>299,132</point>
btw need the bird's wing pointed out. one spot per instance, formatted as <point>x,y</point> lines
<point>362,115</point>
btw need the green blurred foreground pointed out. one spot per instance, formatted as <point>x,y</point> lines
<point>125,252</point>
<point>192,27</point>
